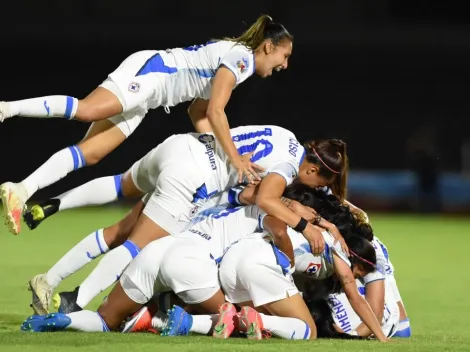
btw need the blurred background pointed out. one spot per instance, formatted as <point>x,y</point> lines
<point>390,77</point>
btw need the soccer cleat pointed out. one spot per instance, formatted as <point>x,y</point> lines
<point>13,197</point>
<point>253,322</point>
<point>46,323</point>
<point>141,321</point>
<point>66,302</point>
<point>226,323</point>
<point>40,212</point>
<point>4,111</point>
<point>179,322</point>
<point>42,293</point>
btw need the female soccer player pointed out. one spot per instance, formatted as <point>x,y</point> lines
<point>187,168</point>
<point>253,272</point>
<point>146,80</point>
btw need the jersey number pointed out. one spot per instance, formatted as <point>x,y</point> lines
<point>196,47</point>
<point>248,148</point>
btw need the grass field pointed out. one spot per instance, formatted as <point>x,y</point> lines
<point>429,255</point>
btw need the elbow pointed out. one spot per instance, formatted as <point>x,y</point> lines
<point>280,235</point>
<point>261,202</point>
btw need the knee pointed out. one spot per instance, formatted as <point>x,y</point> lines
<point>86,112</point>
<point>116,235</point>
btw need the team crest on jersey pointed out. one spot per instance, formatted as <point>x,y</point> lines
<point>242,65</point>
<point>313,268</point>
<point>206,138</point>
<point>134,87</point>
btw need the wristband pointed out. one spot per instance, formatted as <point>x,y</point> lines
<point>301,226</point>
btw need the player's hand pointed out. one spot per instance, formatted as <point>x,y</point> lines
<point>301,210</point>
<point>338,238</point>
<point>246,168</point>
<point>314,236</point>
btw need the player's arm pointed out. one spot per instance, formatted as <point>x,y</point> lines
<point>278,230</point>
<point>358,303</point>
<point>197,112</point>
<point>375,296</point>
<point>222,87</point>
<point>269,200</point>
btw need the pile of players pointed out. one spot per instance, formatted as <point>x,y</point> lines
<point>282,254</point>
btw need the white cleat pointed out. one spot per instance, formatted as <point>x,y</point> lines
<point>13,197</point>
<point>42,294</point>
<point>4,111</point>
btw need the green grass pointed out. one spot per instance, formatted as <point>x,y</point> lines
<point>429,255</point>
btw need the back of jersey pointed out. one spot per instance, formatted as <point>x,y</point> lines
<point>274,148</point>
<point>222,226</point>
<point>196,66</point>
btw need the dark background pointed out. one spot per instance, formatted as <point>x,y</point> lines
<point>376,73</point>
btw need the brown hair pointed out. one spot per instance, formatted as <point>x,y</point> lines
<point>264,28</point>
<point>331,158</point>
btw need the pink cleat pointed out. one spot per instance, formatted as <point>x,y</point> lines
<point>253,322</point>
<point>227,321</point>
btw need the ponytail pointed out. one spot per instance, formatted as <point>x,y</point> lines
<point>264,28</point>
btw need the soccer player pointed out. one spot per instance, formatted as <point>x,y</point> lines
<point>186,169</point>
<point>145,80</point>
<point>253,272</point>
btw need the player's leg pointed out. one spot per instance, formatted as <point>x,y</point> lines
<point>109,316</point>
<point>404,326</point>
<point>90,248</point>
<point>112,97</point>
<point>99,191</point>
<point>100,104</point>
<point>103,138</point>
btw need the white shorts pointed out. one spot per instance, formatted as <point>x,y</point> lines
<point>137,94</point>
<point>170,172</point>
<point>170,263</point>
<point>128,121</point>
<point>249,271</point>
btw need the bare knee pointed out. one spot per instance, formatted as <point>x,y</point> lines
<point>101,104</point>
<point>88,112</point>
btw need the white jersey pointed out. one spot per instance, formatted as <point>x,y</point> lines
<point>310,265</point>
<point>274,148</point>
<point>191,70</point>
<point>220,227</point>
<point>383,260</point>
<point>346,318</point>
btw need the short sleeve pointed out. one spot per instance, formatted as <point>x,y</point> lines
<point>288,171</point>
<point>239,60</point>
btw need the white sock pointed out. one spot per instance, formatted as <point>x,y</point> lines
<point>84,252</point>
<point>51,106</point>
<point>286,328</point>
<point>107,272</point>
<point>159,320</point>
<point>54,169</point>
<point>99,191</point>
<point>203,324</point>
<point>87,321</point>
